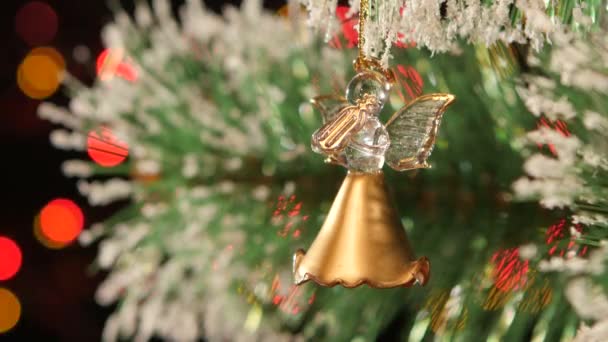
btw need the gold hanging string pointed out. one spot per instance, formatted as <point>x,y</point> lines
<point>363,16</point>
<point>363,62</point>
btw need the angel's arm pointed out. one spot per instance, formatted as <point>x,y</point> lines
<point>333,136</point>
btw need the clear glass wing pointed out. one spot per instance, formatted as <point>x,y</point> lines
<point>413,130</point>
<point>329,106</point>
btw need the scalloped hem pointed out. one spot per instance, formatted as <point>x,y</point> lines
<point>418,274</point>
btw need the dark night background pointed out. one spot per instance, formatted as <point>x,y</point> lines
<point>55,288</point>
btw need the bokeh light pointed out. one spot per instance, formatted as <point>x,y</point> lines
<point>349,32</point>
<point>81,54</point>
<point>559,126</point>
<point>10,258</point>
<point>105,148</point>
<point>536,297</point>
<point>61,221</point>
<point>558,243</point>
<point>496,299</point>
<point>287,214</point>
<point>283,11</point>
<point>36,23</point>
<point>10,310</point>
<point>41,72</point>
<point>112,62</point>
<point>510,271</point>
<point>447,312</point>
<point>410,83</point>
<point>46,242</point>
<point>400,44</point>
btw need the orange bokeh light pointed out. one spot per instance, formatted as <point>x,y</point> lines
<point>10,258</point>
<point>10,310</point>
<point>46,242</point>
<point>105,148</point>
<point>41,72</point>
<point>61,221</point>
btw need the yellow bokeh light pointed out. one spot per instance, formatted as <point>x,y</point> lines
<point>41,72</point>
<point>10,310</point>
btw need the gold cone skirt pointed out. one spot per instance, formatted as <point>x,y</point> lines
<point>362,241</point>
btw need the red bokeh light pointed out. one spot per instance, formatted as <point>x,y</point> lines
<point>61,221</point>
<point>10,258</point>
<point>559,125</point>
<point>105,149</point>
<point>289,303</point>
<point>36,23</point>
<point>556,234</point>
<point>399,43</point>
<point>288,212</point>
<point>312,298</point>
<point>510,271</point>
<point>111,62</point>
<point>348,29</point>
<point>410,82</point>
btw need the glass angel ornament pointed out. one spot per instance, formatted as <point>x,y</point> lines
<point>362,240</point>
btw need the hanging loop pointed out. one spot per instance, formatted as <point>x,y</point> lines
<point>363,63</point>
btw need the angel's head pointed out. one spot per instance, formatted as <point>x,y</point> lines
<point>368,85</point>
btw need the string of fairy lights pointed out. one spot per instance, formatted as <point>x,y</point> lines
<point>39,76</point>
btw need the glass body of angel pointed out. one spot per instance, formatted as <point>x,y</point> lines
<point>353,136</point>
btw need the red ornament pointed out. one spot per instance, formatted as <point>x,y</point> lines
<point>105,149</point>
<point>10,258</point>
<point>61,220</point>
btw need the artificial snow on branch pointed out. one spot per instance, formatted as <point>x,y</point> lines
<point>439,24</point>
<point>573,98</point>
<point>570,168</point>
<point>205,103</point>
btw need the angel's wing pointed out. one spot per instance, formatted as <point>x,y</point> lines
<point>413,130</point>
<point>329,106</point>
